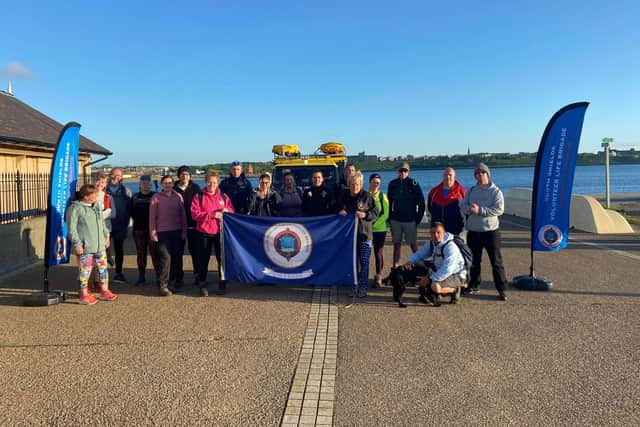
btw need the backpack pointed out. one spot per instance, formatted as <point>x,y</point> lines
<point>465,251</point>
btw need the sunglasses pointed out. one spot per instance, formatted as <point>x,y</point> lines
<point>479,171</point>
<point>403,170</point>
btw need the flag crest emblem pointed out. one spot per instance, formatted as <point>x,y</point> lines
<point>287,245</point>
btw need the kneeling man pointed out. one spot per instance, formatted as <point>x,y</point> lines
<point>447,275</point>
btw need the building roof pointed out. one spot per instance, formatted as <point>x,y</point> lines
<point>23,125</point>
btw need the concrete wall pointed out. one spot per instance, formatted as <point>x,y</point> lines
<point>21,244</point>
<point>587,213</point>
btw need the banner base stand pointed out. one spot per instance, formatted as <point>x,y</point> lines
<point>532,283</point>
<point>43,299</point>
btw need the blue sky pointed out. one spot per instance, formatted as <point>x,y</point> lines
<point>213,81</point>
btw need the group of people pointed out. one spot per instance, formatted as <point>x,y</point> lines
<point>455,211</point>
<point>183,212</point>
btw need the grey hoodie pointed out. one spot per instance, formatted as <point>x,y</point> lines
<point>491,204</point>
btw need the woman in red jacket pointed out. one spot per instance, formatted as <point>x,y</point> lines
<point>207,209</point>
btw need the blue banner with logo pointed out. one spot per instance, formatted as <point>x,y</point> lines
<point>553,178</point>
<point>62,187</point>
<point>309,251</point>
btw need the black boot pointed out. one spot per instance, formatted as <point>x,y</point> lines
<point>455,297</point>
<point>222,287</point>
<point>433,297</point>
<point>424,294</point>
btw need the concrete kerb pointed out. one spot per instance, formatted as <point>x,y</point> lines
<point>312,393</point>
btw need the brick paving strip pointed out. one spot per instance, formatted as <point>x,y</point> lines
<point>312,392</point>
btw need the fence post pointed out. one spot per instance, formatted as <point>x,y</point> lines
<point>19,188</point>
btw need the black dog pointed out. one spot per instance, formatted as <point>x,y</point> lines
<point>398,279</point>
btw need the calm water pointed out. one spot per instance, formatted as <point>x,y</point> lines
<point>588,179</point>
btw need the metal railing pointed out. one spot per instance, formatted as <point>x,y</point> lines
<point>24,195</point>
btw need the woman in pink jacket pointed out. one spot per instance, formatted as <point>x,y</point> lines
<point>207,209</point>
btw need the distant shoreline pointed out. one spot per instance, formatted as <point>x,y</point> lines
<point>488,163</point>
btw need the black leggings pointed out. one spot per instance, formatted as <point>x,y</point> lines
<point>378,247</point>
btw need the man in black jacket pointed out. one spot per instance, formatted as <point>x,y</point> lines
<point>406,209</point>
<point>237,187</point>
<point>188,189</point>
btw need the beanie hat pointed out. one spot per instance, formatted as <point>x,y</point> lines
<point>184,169</point>
<point>482,167</point>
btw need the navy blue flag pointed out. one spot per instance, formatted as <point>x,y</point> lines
<point>553,178</point>
<point>310,251</point>
<point>62,187</point>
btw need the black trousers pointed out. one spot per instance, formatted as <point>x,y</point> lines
<point>205,242</point>
<point>491,242</point>
<point>118,246</point>
<point>169,249</point>
<point>143,245</point>
<point>192,245</point>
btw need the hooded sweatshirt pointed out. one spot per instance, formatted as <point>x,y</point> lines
<point>446,257</point>
<point>491,204</point>
<point>204,206</point>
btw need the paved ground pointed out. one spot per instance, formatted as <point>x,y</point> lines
<point>147,360</point>
<point>565,357</point>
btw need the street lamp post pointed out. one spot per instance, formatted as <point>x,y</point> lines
<point>605,143</point>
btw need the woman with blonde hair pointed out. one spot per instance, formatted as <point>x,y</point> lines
<point>357,201</point>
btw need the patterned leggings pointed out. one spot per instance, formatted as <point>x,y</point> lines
<point>85,265</point>
<point>363,254</point>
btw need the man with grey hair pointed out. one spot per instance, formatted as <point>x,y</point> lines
<point>482,205</point>
<point>121,196</point>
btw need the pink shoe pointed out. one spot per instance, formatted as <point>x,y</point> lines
<point>107,295</point>
<point>88,299</point>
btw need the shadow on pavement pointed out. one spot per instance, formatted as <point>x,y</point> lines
<point>607,294</point>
